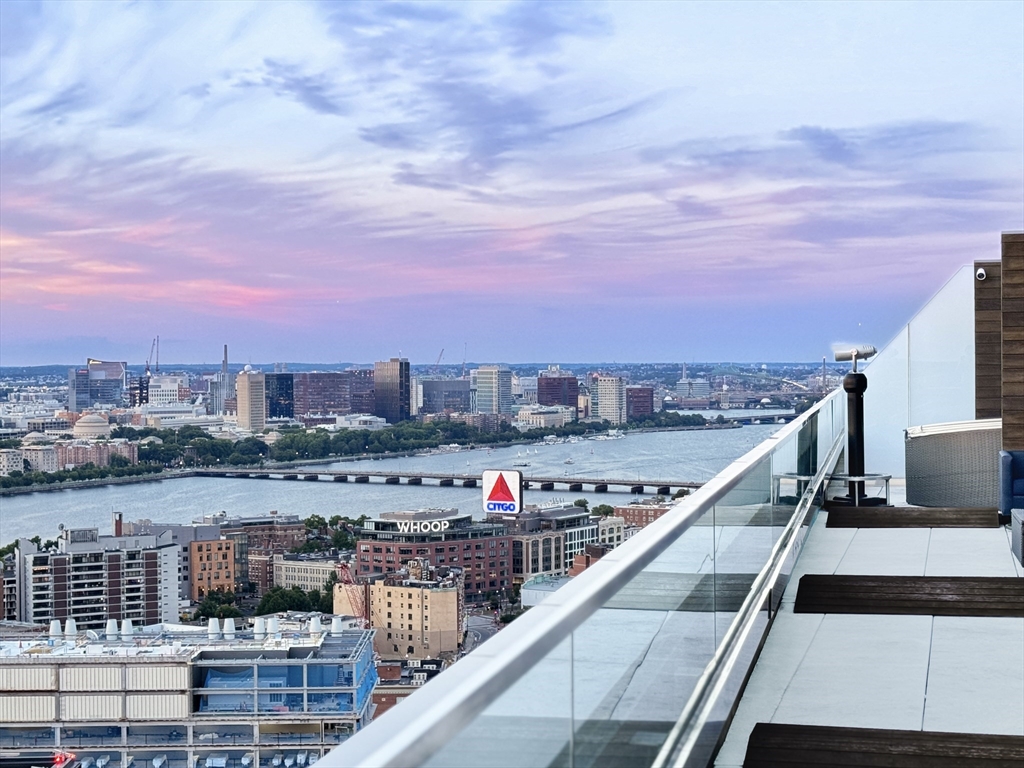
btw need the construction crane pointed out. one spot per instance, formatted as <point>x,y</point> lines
<point>355,593</point>
<point>437,363</point>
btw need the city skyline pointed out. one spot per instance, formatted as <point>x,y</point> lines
<point>520,181</point>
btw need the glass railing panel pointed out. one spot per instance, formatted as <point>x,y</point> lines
<point>636,659</point>
<point>746,524</point>
<point>222,733</point>
<point>530,724</point>
<point>90,735</point>
<point>142,735</point>
<point>19,737</point>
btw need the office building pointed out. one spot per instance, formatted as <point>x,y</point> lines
<point>690,389</point>
<point>643,512</point>
<point>639,402</point>
<point>391,390</point>
<point>165,389</point>
<point>79,398</point>
<point>494,389</point>
<point>107,381</point>
<point>174,696</point>
<point>92,578</point>
<point>308,572</point>
<point>361,394</point>
<point>272,532</point>
<point>445,395</point>
<point>280,389</point>
<point>557,387</point>
<point>545,539</point>
<point>443,536</point>
<point>251,394</point>
<point>327,393</point>
<point>611,399</point>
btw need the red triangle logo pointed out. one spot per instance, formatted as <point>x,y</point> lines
<point>500,491</point>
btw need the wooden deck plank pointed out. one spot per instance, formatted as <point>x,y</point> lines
<point>780,744</point>
<point>911,595</point>
<point>912,517</point>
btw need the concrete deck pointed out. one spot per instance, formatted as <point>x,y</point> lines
<point>958,674</point>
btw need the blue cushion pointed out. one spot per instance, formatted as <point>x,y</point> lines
<point>1018,487</point>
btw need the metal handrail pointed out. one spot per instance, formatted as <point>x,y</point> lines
<point>691,720</point>
<point>433,715</point>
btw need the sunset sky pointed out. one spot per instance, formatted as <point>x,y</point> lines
<point>318,182</point>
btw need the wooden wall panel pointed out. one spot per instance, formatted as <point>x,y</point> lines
<point>988,328</point>
<point>1012,309</point>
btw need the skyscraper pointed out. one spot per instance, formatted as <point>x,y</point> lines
<point>611,399</point>
<point>493,389</point>
<point>78,390</point>
<point>391,390</point>
<point>251,391</point>
<point>280,395</point>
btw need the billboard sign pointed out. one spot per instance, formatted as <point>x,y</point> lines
<point>503,490</point>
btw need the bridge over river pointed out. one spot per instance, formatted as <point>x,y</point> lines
<point>579,484</point>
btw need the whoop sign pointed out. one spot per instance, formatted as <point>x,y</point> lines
<point>503,490</point>
<point>426,526</point>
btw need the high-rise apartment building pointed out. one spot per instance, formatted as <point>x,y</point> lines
<point>611,399</point>
<point>92,578</point>
<point>391,390</point>
<point>493,389</point>
<point>251,392</point>
<point>557,387</point>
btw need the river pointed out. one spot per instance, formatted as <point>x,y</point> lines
<point>683,455</point>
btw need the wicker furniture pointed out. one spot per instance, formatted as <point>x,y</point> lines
<point>954,464</point>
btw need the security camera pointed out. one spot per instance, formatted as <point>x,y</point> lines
<point>981,274</point>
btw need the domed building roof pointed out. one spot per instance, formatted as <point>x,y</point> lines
<point>33,438</point>
<point>92,425</point>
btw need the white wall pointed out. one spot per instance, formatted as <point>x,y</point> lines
<point>925,375</point>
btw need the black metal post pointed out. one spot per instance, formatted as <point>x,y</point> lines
<point>855,385</point>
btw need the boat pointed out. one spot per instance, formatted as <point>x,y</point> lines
<point>520,463</point>
<point>569,461</point>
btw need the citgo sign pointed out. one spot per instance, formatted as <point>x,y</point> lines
<point>503,490</point>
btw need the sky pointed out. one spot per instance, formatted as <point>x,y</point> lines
<point>625,181</point>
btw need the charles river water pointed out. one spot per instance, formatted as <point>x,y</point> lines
<point>694,455</point>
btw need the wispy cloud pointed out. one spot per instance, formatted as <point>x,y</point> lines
<point>273,165</point>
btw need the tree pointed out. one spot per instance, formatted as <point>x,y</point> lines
<point>604,510</point>
<point>315,523</point>
<point>681,493</point>
<point>218,605</point>
<point>581,503</point>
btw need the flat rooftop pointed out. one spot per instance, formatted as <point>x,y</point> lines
<point>957,674</point>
